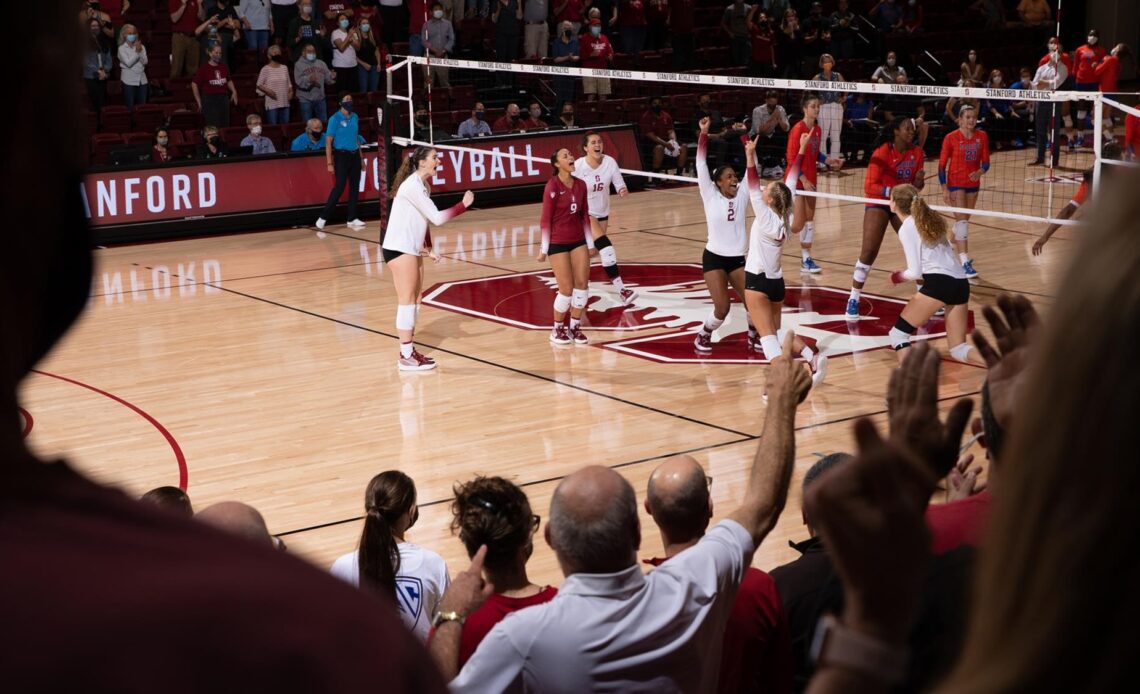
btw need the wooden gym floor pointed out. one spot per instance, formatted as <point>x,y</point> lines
<point>263,366</point>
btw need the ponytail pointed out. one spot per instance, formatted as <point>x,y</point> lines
<point>389,496</point>
<point>782,203</point>
<point>931,225</point>
<point>409,164</point>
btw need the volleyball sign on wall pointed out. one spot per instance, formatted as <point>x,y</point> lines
<point>672,303</point>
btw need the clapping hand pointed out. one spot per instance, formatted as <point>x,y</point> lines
<point>1014,329</point>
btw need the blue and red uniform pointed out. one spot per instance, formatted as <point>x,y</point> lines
<point>1085,59</point>
<point>811,154</point>
<point>962,156</point>
<point>889,168</point>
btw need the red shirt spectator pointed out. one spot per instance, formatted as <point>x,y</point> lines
<point>659,124</point>
<point>529,124</point>
<point>114,10</point>
<point>631,13</point>
<point>188,22</point>
<point>681,16</point>
<point>596,50</point>
<point>212,79</point>
<point>657,10</point>
<point>762,51</point>
<point>416,20</point>
<point>490,613</point>
<point>957,523</point>
<point>571,11</point>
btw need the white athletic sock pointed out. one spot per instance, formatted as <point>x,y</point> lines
<point>711,323</point>
<point>617,282</point>
<point>575,322</point>
<point>806,253</point>
<point>964,257</point>
<point>771,347</point>
<point>406,349</point>
<point>855,293</point>
<point>807,354</point>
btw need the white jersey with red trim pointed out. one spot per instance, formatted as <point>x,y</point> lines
<point>598,182</point>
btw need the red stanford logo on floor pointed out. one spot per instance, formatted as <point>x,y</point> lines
<point>672,302</point>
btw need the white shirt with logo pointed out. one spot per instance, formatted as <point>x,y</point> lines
<point>598,182</point>
<point>728,233</point>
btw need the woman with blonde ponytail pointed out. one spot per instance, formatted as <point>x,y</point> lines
<point>930,259</point>
<point>763,274</point>
<point>386,563</point>
<point>406,238</point>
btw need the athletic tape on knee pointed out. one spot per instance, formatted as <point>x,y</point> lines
<point>809,229</point>
<point>961,230</point>
<point>1068,121</point>
<point>771,347</point>
<point>608,255</point>
<point>579,298</point>
<point>406,317</point>
<point>861,272</point>
<point>601,242</point>
<point>959,352</point>
<point>561,303</point>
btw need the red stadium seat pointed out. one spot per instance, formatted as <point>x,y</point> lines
<point>101,146</point>
<point>116,119</point>
<point>148,117</point>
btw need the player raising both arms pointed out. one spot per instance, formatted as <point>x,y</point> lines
<point>406,237</point>
<point>929,258</point>
<point>763,276</point>
<point>1111,150</point>
<point>566,237</point>
<point>895,161</point>
<point>599,170</point>
<point>804,223</point>
<point>725,203</point>
<point>965,159</point>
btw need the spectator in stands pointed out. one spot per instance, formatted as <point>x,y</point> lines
<point>345,42</point>
<point>757,651</point>
<point>611,627</point>
<point>507,17</point>
<point>533,119</point>
<point>973,72</point>
<point>566,54</point>
<point>510,121</point>
<point>184,48</point>
<point>660,137</point>
<point>257,23</point>
<point>889,71</point>
<point>770,123</point>
<point>95,10</point>
<point>842,22</point>
<point>999,114</point>
<point>97,65</point>
<point>336,7</point>
<point>259,143</point>
<point>566,117</point>
<point>132,66</point>
<point>898,105</point>
<point>1050,76</point>
<point>597,52</point>
<point>439,41</point>
<point>718,135</point>
<point>569,11</point>
<point>236,518</point>
<point>861,126</point>
<point>887,15</point>
<point>681,23</point>
<point>1034,12</point>
<point>220,26</point>
<point>421,124</point>
<point>493,512</point>
<point>476,125</point>
<point>306,29</point>
<point>274,83</point>
<point>370,58</point>
<point>816,38</point>
<point>536,34</point>
<point>394,24</point>
<point>212,145</point>
<point>632,27</point>
<point>311,76</point>
<point>213,90</point>
<point>831,108</point>
<point>657,24</point>
<point>413,577</point>
<point>607,13</point>
<point>763,44</point>
<point>416,11</point>
<point>160,153</point>
<point>312,140</point>
<point>789,46</point>
<point>992,12</point>
<point>912,17</point>
<point>734,24</point>
<point>170,498</point>
<point>283,13</point>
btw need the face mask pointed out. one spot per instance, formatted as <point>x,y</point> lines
<point>306,10</point>
<point>131,38</point>
<point>366,28</point>
<point>567,116</point>
<point>568,33</point>
<point>215,58</point>
<point>315,135</point>
<point>655,109</point>
<point>517,116</point>
<point>163,140</point>
<point>1092,40</point>
<point>346,105</point>
<point>275,57</point>
<point>94,31</point>
<point>438,14</point>
<point>535,114</point>
<point>215,140</point>
<point>310,57</point>
<point>596,31</point>
<point>255,130</point>
<point>344,24</point>
<point>891,62</point>
<point>213,31</point>
<point>997,80</point>
<point>479,115</point>
<point>421,119</point>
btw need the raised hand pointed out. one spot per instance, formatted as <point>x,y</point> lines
<point>1014,331</point>
<point>468,198</point>
<point>704,125</point>
<point>788,380</point>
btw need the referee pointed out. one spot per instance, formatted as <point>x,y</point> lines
<point>342,150</point>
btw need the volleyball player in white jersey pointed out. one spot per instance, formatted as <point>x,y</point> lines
<point>599,170</point>
<point>726,203</point>
<point>763,274</point>
<point>930,258</point>
<point>406,237</point>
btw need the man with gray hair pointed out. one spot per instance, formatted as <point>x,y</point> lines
<point>611,627</point>
<point>259,143</point>
<point>237,519</point>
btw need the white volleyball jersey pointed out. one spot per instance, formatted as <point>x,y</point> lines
<point>411,211</point>
<point>923,258</point>
<point>769,231</point>
<point>598,182</point>
<point>725,217</point>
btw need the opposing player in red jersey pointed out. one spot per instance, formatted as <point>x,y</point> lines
<point>1111,150</point>
<point>567,239</point>
<point>1107,72</point>
<point>895,161</point>
<point>1085,60</point>
<point>965,159</point>
<point>804,214</point>
<point>1132,136</point>
<point>1066,60</point>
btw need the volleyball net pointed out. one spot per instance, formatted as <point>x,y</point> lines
<point>853,116</point>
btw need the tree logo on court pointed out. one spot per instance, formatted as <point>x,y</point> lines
<point>672,303</point>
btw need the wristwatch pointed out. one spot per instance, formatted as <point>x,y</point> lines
<point>836,645</point>
<point>441,617</point>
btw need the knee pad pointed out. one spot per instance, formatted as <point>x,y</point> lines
<point>608,255</point>
<point>1082,114</point>
<point>809,229</point>
<point>771,347</point>
<point>406,317</point>
<point>961,230</point>
<point>579,298</point>
<point>602,242</point>
<point>1068,120</point>
<point>904,327</point>
<point>861,272</point>
<point>561,303</point>
<point>959,352</point>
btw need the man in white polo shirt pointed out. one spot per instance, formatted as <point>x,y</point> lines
<point>611,627</point>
